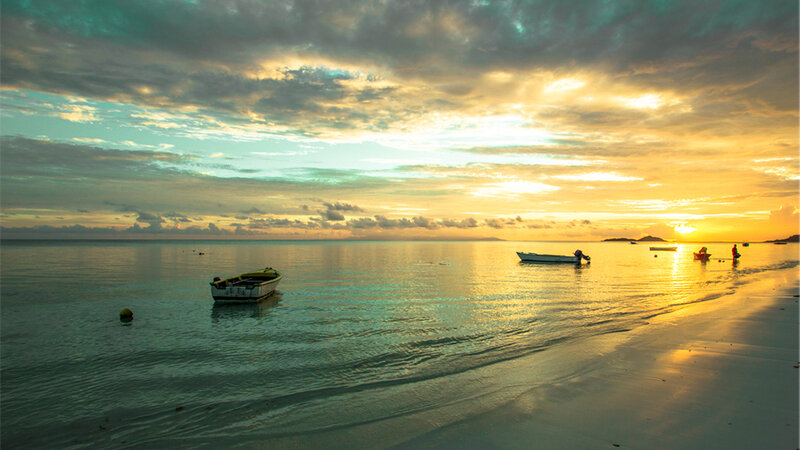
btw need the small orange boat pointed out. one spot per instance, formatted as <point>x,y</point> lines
<point>702,255</point>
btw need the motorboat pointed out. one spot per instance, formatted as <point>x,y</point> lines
<point>249,287</point>
<point>663,249</point>
<point>542,258</point>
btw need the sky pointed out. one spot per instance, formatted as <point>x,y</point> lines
<point>517,120</point>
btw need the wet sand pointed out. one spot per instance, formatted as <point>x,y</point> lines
<point>720,374</point>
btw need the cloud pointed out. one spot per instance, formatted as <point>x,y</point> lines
<point>254,210</point>
<point>283,227</point>
<point>315,69</point>
<point>153,220</point>
<point>597,176</point>
<point>785,215</point>
<point>81,231</point>
<point>330,214</point>
<point>496,223</point>
<point>176,217</point>
<point>271,222</point>
<point>491,105</point>
<point>500,223</point>
<point>30,157</point>
<point>463,223</point>
<point>332,211</point>
<point>341,207</point>
<point>78,113</point>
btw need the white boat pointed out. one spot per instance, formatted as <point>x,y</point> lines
<point>249,287</point>
<point>542,258</point>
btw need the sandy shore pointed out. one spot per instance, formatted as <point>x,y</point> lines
<point>720,374</point>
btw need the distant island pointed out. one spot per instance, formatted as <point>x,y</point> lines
<point>644,239</point>
<point>795,238</point>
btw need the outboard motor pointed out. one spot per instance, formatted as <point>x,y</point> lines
<point>579,254</point>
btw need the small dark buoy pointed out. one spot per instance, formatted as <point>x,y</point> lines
<point>655,256</point>
<point>126,315</point>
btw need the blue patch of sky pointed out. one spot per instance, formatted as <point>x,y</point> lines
<point>259,154</point>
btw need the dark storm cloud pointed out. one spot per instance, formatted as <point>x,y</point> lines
<point>197,53</point>
<point>303,90</point>
<point>503,32</point>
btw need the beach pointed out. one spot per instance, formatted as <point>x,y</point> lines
<point>720,375</point>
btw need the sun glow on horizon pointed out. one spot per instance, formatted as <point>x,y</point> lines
<point>684,228</point>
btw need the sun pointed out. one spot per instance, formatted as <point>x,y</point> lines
<point>684,229</point>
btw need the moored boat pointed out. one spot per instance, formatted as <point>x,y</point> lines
<point>542,258</point>
<point>702,255</point>
<point>663,249</point>
<point>249,287</point>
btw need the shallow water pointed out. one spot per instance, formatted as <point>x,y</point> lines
<point>380,340</point>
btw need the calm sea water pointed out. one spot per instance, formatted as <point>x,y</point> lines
<point>365,342</point>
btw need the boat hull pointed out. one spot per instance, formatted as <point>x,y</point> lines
<point>663,249</point>
<point>541,258</point>
<point>701,256</point>
<point>246,288</point>
<point>244,294</point>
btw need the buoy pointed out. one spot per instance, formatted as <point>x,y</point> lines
<point>655,256</point>
<point>126,315</point>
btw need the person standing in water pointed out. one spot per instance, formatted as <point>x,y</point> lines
<point>735,252</point>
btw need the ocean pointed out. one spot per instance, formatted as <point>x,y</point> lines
<point>366,344</point>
